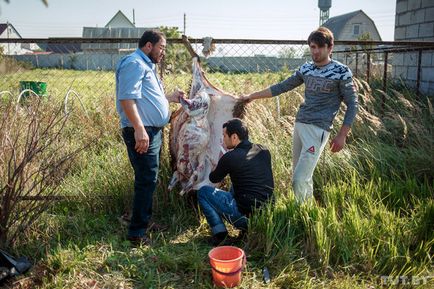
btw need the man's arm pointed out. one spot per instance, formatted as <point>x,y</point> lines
<point>266,93</point>
<point>349,93</point>
<point>129,76</point>
<point>221,170</point>
<point>140,135</point>
<point>290,83</point>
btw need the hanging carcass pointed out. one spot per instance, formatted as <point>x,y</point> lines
<point>196,135</point>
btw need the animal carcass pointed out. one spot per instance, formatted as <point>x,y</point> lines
<point>196,135</point>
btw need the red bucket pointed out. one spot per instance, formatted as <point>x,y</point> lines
<point>227,263</point>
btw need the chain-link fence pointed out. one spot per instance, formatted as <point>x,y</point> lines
<point>87,65</point>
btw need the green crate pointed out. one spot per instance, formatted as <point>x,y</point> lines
<point>40,88</point>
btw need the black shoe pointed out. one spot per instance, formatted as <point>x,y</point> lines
<point>218,239</point>
<point>139,241</point>
<point>242,235</point>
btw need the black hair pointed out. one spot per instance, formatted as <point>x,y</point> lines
<point>236,126</point>
<point>321,37</point>
<point>150,36</point>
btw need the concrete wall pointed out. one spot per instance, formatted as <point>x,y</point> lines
<point>415,22</point>
<point>108,61</point>
<point>77,61</point>
<point>253,64</point>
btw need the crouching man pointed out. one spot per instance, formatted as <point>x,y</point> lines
<point>249,167</point>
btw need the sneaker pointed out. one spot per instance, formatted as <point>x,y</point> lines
<point>139,241</point>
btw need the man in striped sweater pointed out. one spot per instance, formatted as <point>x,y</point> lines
<point>327,84</point>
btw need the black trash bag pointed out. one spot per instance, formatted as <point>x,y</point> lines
<point>10,266</point>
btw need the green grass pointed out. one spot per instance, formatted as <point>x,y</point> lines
<point>372,215</point>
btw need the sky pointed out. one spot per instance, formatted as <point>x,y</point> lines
<point>221,19</point>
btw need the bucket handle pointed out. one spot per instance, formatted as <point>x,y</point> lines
<point>234,272</point>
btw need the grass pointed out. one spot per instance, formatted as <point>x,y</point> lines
<point>372,215</point>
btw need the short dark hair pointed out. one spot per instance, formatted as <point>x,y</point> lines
<point>150,36</point>
<point>321,37</point>
<point>236,126</point>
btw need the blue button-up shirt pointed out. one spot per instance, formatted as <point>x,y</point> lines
<point>136,78</point>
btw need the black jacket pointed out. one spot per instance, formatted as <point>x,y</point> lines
<point>249,166</point>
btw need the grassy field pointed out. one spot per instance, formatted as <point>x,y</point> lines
<point>370,225</point>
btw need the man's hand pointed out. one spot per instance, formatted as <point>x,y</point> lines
<point>338,143</point>
<point>142,139</point>
<point>175,96</point>
<point>340,139</point>
<point>246,98</point>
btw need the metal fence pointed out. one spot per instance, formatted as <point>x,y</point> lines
<point>87,65</point>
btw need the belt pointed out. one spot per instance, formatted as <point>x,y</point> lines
<point>129,129</point>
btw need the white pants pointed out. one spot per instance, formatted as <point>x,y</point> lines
<point>307,145</point>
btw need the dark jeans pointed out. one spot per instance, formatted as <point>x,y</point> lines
<point>217,205</point>
<point>145,178</point>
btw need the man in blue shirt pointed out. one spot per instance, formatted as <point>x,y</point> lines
<point>143,108</point>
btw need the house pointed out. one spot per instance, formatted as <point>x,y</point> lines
<point>8,31</point>
<point>352,26</point>
<point>119,26</point>
<point>119,20</point>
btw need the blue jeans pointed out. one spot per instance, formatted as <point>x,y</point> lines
<point>217,205</point>
<point>145,178</point>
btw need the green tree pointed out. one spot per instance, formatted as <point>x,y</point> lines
<point>43,1</point>
<point>177,58</point>
<point>287,52</point>
<point>294,52</point>
<point>306,52</point>
<point>366,36</point>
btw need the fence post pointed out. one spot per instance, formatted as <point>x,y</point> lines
<point>385,71</point>
<point>368,66</point>
<point>162,68</point>
<point>357,63</point>
<point>383,98</point>
<point>419,62</point>
<point>278,106</point>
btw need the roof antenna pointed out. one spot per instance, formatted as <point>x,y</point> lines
<point>134,18</point>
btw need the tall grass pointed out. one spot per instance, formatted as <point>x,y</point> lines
<point>369,198</point>
<point>372,214</point>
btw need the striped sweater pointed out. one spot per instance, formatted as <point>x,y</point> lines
<point>325,88</point>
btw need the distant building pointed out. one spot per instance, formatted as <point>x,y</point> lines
<point>118,27</point>
<point>119,20</point>
<point>356,25</point>
<point>8,31</point>
<point>62,48</point>
<point>352,26</point>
